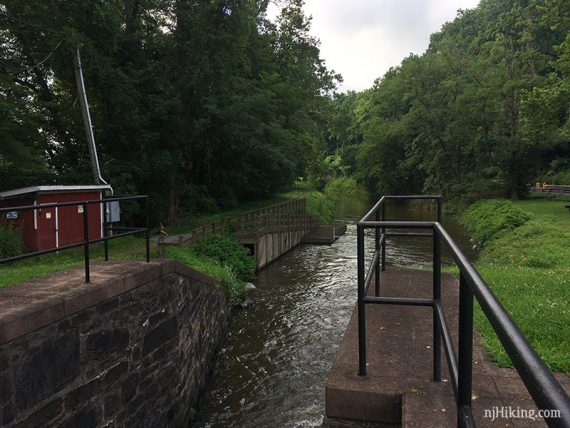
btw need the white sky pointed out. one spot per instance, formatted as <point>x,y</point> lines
<point>362,39</point>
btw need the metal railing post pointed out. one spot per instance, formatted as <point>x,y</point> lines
<point>376,250</point>
<point>465,346</point>
<point>439,210</point>
<point>383,218</point>
<point>361,305</point>
<point>437,299</point>
<point>147,232</point>
<point>105,232</point>
<point>86,241</point>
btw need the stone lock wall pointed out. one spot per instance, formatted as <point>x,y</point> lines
<point>131,349</point>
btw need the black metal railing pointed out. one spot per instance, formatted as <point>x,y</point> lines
<point>109,232</point>
<point>539,380</point>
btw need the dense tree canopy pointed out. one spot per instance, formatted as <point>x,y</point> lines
<point>201,103</point>
<point>483,111</point>
<point>206,103</point>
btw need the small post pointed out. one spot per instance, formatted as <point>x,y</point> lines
<point>465,346</point>
<point>86,241</point>
<point>383,218</point>
<point>361,305</point>
<point>439,210</point>
<point>105,226</point>
<point>147,232</point>
<point>376,251</point>
<point>436,299</point>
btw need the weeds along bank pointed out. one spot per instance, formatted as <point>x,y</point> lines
<point>525,259</point>
<point>226,259</point>
<point>221,257</point>
<point>213,257</point>
<point>321,203</point>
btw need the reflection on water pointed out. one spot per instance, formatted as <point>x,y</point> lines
<point>274,361</point>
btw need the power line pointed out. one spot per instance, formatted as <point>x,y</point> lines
<point>33,66</point>
<point>14,19</point>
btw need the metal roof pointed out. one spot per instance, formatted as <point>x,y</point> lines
<point>51,189</point>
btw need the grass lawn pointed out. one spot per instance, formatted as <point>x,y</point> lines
<point>528,268</point>
<point>132,248</point>
<point>126,248</point>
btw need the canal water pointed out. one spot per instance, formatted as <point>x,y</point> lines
<point>272,366</point>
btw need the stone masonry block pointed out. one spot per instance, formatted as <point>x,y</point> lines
<point>46,369</point>
<point>105,341</point>
<point>161,334</point>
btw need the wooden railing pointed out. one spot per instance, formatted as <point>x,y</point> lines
<point>555,189</point>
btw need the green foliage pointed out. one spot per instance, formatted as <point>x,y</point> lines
<point>201,105</point>
<point>558,172</point>
<point>229,252</point>
<point>537,299</point>
<point>10,241</point>
<point>233,286</point>
<point>478,115</point>
<point>319,204</point>
<point>343,186</point>
<point>528,268</point>
<point>487,219</point>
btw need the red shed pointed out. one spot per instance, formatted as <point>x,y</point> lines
<point>47,228</point>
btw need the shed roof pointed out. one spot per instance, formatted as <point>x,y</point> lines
<point>51,189</point>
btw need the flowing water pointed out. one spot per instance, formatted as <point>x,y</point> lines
<point>272,366</point>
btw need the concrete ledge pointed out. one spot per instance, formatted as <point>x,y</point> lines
<point>398,388</point>
<point>29,306</point>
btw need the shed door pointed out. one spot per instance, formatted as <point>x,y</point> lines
<point>47,228</point>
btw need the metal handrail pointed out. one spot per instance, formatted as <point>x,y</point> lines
<point>545,390</point>
<point>86,242</point>
<point>262,220</point>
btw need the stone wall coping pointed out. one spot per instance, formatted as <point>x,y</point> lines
<point>34,304</point>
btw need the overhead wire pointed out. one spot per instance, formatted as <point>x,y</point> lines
<point>26,69</point>
<point>37,27</point>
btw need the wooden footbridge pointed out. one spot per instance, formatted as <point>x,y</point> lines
<point>268,232</point>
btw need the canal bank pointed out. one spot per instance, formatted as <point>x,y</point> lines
<point>132,347</point>
<point>272,366</point>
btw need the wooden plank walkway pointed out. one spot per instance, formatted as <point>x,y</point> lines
<point>398,390</point>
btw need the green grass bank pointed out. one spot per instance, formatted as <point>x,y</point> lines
<point>525,259</point>
<point>212,261</point>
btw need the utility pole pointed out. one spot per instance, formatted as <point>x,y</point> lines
<point>86,118</point>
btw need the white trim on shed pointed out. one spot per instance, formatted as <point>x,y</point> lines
<point>51,189</point>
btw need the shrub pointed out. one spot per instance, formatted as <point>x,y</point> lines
<point>344,186</point>
<point>229,252</point>
<point>320,206</point>
<point>233,286</point>
<point>10,241</point>
<point>487,219</point>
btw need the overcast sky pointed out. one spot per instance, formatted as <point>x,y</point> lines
<point>362,39</point>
